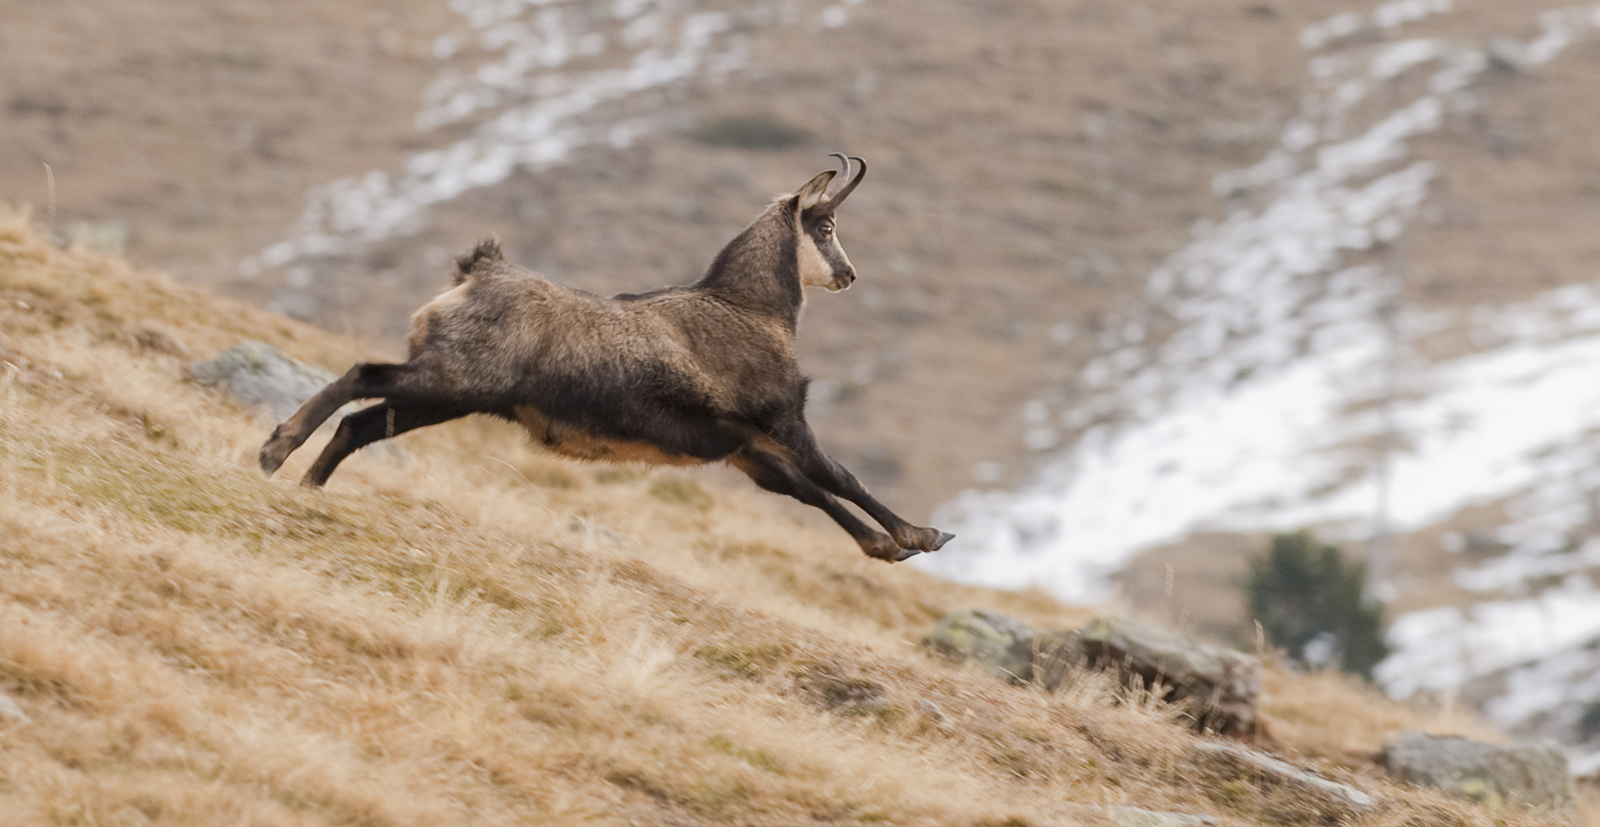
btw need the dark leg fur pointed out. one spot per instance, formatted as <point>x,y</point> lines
<point>837,480</point>
<point>402,384</point>
<point>370,425</point>
<point>780,476</point>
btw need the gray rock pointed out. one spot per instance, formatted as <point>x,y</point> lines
<point>10,712</point>
<point>993,642</point>
<point>1222,683</point>
<point>261,376</point>
<point>1292,793</point>
<point>1119,816</point>
<point>1535,775</point>
<point>1055,656</point>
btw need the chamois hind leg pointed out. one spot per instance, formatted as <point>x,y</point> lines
<point>369,425</point>
<point>837,480</point>
<point>370,380</point>
<point>778,475</point>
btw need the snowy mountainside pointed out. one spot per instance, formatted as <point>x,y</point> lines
<point>1274,376</point>
<point>532,81</point>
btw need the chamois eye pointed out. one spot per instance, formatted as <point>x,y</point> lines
<point>826,228</point>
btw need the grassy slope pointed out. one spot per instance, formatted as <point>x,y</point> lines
<point>482,635</point>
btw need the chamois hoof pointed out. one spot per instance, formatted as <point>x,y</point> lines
<point>273,454</point>
<point>883,548</point>
<point>924,539</point>
<point>894,555</point>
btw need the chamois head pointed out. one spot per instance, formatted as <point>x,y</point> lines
<point>823,262</point>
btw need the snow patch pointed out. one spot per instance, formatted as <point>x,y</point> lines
<point>1387,16</point>
<point>1290,360</point>
<point>559,75</point>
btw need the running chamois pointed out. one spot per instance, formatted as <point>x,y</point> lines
<point>674,376</point>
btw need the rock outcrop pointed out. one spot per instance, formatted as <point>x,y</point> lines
<point>261,376</point>
<point>990,641</point>
<point>1534,775</point>
<point>1285,793</point>
<point>1121,816</point>
<point>1222,684</point>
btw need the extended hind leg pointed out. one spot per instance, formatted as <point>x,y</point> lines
<point>364,427</point>
<point>370,380</point>
<point>837,480</point>
<point>778,475</point>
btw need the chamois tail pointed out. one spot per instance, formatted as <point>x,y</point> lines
<point>482,257</point>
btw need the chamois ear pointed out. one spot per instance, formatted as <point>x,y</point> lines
<point>812,193</point>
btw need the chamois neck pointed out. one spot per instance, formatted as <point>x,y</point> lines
<point>759,269</point>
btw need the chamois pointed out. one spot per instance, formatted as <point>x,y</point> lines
<point>673,376</point>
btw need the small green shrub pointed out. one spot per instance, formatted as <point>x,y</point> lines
<point>1307,599</point>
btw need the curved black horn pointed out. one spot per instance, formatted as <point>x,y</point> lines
<point>839,196</point>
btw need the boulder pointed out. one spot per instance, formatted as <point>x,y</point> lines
<point>1135,817</point>
<point>1222,683</point>
<point>990,641</point>
<point>1534,775</point>
<point>1120,816</point>
<point>1055,656</point>
<point>261,376</point>
<point>1286,793</point>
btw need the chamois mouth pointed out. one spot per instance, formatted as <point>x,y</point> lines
<point>841,282</point>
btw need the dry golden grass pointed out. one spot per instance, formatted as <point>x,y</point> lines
<point>1332,715</point>
<point>482,635</point>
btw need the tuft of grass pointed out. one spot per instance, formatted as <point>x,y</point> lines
<point>681,492</point>
<point>618,474</point>
<point>754,757</point>
<point>745,662</point>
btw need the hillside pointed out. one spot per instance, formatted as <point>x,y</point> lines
<point>472,633</point>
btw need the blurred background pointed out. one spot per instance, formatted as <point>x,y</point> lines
<point>1141,283</point>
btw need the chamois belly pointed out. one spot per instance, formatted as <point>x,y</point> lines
<point>573,441</point>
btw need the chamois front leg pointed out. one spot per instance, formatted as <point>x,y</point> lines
<point>777,474</point>
<point>837,480</point>
<point>364,381</point>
